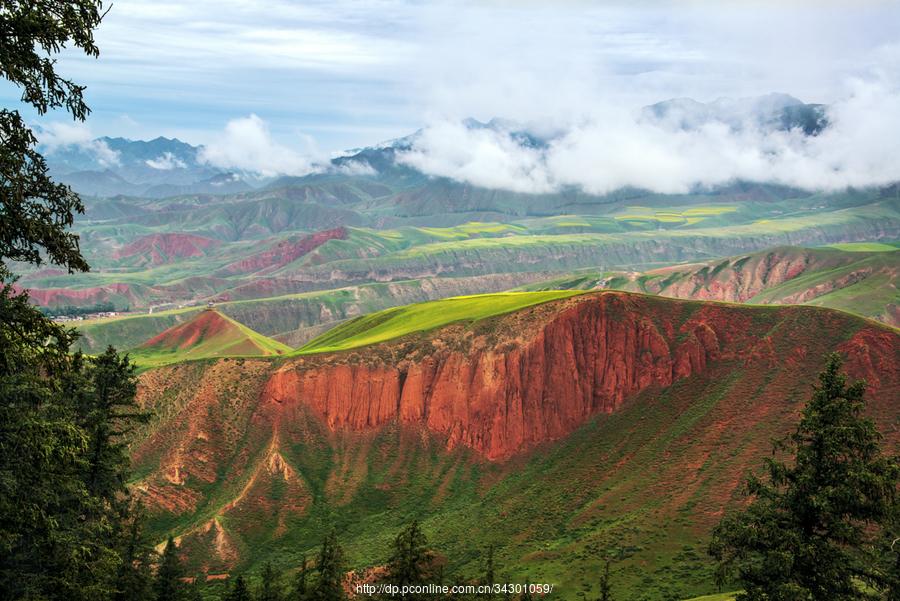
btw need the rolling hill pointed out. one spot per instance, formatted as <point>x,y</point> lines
<point>208,334</point>
<point>294,318</point>
<point>400,321</point>
<point>558,432</point>
<point>363,229</point>
<point>862,279</point>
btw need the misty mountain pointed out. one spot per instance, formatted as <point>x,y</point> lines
<point>769,112</point>
<point>166,167</point>
<point>154,168</point>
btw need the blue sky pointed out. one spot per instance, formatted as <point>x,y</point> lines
<point>324,76</point>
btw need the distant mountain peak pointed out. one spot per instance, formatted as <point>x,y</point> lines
<point>775,110</point>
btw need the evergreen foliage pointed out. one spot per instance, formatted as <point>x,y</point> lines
<point>169,585</point>
<point>605,586</point>
<point>134,579</point>
<point>811,528</point>
<point>270,585</point>
<point>408,564</point>
<point>65,526</point>
<point>239,591</point>
<point>300,591</point>
<point>330,571</point>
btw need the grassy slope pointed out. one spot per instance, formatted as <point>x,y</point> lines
<point>646,482</point>
<point>208,334</point>
<point>422,317</point>
<point>868,296</point>
<point>866,281</point>
<point>686,228</point>
<point>282,314</point>
<point>866,246</point>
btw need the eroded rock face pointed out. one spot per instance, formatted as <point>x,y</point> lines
<point>499,401</point>
<point>243,450</point>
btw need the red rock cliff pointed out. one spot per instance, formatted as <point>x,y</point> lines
<point>498,400</point>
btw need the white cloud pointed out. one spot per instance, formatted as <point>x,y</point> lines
<point>482,157</point>
<point>58,135</point>
<point>612,149</point>
<point>355,168</point>
<point>349,70</point>
<point>166,162</point>
<point>248,145</point>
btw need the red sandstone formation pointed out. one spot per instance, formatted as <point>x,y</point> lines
<point>577,358</point>
<point>51,297</point>
<point>586,359</point>
<point>250,430</point>
<point>158,249</point>
<point>284,252</point>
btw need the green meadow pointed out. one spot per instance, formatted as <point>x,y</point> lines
<point>400,321</point>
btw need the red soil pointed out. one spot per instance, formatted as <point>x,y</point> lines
<point>52,297</point>
<point>284,252</point>
<point>205,326</point>
<point>158,249</point>
<point>501,388</point>
<point>588,358</point>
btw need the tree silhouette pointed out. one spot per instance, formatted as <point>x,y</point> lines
<point>810,528</point>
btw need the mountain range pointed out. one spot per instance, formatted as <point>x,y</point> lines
<point>165,167</point>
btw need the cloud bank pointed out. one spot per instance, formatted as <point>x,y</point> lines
<point>57,135</point>
<point>612,149</point>
<point>165,162</point>
<point>247,145</point>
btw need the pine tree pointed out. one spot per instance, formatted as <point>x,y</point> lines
<point>489,573</point>
<point>329,566</point>
<point>134,579</point>
<point>169,585</point>
<point>408,564</point>
<point>888,556</point>
<point>808,531</point>
<point>194,590</point>
<point>270,585</point>
<point>605,586</point>
<point>108,413</point>
<point>61,519</point>
<point>239,591</point>
<point>300,584</point>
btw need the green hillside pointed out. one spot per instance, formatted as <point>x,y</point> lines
<point>400,321</point>
<point>283,314</point>
<point>208,334</point>
<point>645,483</point>
<point>866,246</point>
<point>385,239</point>
<point>864,282</point>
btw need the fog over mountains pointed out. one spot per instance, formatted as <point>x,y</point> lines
<point>674,146</point>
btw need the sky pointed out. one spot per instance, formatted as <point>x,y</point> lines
<point>297,81</point>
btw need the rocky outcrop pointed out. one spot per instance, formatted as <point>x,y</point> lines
<point>784,276</point>
<point>244,453</point>
<point>499,401</point>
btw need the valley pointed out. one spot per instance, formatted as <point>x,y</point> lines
<point>632,418</point>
